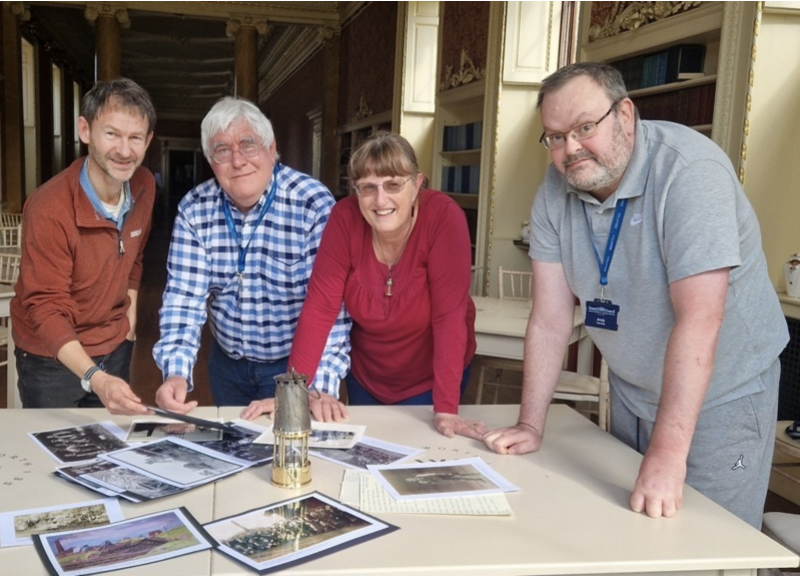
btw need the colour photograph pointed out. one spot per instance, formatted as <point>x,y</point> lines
<point>294,531</point>
<point>125,544</point>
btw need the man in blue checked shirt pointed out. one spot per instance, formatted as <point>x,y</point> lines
<point>243,245</point>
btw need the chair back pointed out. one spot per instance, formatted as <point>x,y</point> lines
<point>515,284</point>
<point>9,268</point>
<point>10,219</point>
<point>10,236</point>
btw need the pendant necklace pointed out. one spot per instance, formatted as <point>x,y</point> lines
<point>389,282</point>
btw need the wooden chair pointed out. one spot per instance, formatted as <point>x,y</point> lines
<point>9,270</point>
<point>571,386</point>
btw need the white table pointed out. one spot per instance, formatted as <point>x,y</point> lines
<point>571,516</point>
<point>500,330</point>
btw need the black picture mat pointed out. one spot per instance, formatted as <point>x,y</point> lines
<point>387,529</point>
<point>38,542</point>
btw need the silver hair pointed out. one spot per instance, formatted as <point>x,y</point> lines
<point>228,111</point>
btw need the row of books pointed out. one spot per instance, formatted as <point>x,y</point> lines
<point>461,179</point>
<point>692,106</point>
<point>662,67</point>
<point>462,137</point>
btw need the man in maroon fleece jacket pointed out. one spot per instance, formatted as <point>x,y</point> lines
<point>83,233</point>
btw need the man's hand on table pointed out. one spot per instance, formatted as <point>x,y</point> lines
<point>519,439</point>
<point>171,395</point>
<point>452,424</point>
<point>116,395</point>
<point>324,408</point>
<point>659,487</point>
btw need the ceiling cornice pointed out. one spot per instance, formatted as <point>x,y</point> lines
<point>303,13</point>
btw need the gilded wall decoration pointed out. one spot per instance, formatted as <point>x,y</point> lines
<point>612,18</point>
<point>465,27</point>
<point>466,73</point>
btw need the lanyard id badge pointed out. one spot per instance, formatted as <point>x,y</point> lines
<point>602,313</point>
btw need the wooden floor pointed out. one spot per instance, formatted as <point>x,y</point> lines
<point>146,378</point>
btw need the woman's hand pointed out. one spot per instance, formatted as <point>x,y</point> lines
<point>452,424</point>
<point>326,408</point>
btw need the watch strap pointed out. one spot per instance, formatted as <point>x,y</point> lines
<point>86,381</point>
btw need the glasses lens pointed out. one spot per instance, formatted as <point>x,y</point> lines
<point>366,189</point>
<point>555,141</point>
<point>249,149</point>
<point>585,131</point>
<point>222,155</point>
<point>394,186</point>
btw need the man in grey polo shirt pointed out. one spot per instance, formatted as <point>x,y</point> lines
<point>647,224</point>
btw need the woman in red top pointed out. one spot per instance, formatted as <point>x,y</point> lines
<point>399,258</point>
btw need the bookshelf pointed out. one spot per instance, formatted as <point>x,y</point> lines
<point>694,101</point>
<point>459,132</point>
<point>350,136</point>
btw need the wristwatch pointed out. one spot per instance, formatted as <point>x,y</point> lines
<point>86,381</point>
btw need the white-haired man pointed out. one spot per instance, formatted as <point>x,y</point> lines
<point>243,245</point>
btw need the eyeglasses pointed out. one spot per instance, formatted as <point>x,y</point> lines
<point>582,132</point>
<point>247,148</point>
<point>389,186</point>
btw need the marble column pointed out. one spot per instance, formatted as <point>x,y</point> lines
<point>109,21</point>
<point>246,31</point>
<point>331,40</point>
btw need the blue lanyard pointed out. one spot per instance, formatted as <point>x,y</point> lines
<point>611,244</point>
<point>232,227</point>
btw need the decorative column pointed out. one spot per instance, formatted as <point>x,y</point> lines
<point>331,40</point>
<point>12,158</point>
<point>108,21</point>
<point>246,31</point>
<point>44,111</point>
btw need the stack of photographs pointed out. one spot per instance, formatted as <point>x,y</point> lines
<point>175,457</point>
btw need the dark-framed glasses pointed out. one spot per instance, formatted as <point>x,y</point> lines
<point>392,186</point>
<point>582,132</point>
<point>247,148</point>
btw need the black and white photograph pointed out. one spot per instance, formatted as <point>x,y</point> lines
<point>17,527</point>
<point>241,444</point>
<point>325,435</point>
<point>294,531</point>
<point>68,445</point>
<point>366,452</point>
<point>130,484</point>
<point>150,430</point>
<point>76,473</point>
<point>181,463</point>
<point>471,476</point>
<point>134,542</point>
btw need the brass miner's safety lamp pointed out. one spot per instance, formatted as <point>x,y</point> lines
<point>292,427</point>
